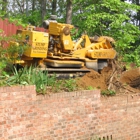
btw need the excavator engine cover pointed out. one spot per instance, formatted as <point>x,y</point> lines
<point>37,43</point>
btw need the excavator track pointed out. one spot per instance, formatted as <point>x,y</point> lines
<point>65,72</point>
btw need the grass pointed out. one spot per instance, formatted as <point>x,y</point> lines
<point>41,79</point>
<point>90,88</point>
<point>44,83</point>
<point>108,92</point>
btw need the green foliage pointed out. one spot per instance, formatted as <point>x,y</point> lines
<point>70,84</point>
<point>17,20</point>
<point>111,18</point>
<point>3,61</point>
<point>33,18</point>
<point>57,85</point>
<point>90,88</point>
<point>43,82</point>
<point>2,13</point>
<point>108,92</point>
<point>133,56</point>
<point>28,76</point>
<point>15,51</point>
<point>2,67</point>
<point>7,57</point>
<point>11,53</point>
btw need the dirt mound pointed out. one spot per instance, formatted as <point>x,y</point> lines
<point>112,78</point>
<point>131,77</point>
<point>96,80</point>
<point>92,79</point>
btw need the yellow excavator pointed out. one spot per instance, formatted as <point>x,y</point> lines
<point>55,51</point>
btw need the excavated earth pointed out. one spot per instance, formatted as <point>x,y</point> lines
<point>113,78</point>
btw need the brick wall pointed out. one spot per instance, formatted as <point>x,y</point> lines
<point>67,116</point>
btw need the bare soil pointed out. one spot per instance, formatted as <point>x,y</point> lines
<point>114,77</point>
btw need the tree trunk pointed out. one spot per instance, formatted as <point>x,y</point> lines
<point>21,6</point>
<point>43,9</point>
<point>26,7</point>
<point>4,6</point>
<point>69,12</point>
<point>33,5</point>
<point>54,2</point>
<point>138,14</point>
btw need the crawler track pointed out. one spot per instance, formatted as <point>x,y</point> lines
<point>65,72</point>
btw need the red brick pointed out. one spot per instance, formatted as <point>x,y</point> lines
<point>2,122</point>
<point>75,115</point>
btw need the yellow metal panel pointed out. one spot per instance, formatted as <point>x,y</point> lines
<point>57,28</point>
<point>54,28</point>
<point>67,42</point>
<point>101,54</point>
<point>37,44</point>
<point>80,53</point>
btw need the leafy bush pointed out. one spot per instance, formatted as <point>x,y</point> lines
<point>29,76</point>
<point>90,88</point>
<point>70,84</point>
<point>108,92</point>
<point>41,79</point>
<point>133,56</point>
<point>11,53</point>
<point>114,19</point>
<point>3,61</point>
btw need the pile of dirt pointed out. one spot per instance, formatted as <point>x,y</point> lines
<point>92,79</point>
<point>114,78</point>
<point>132,78</point>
